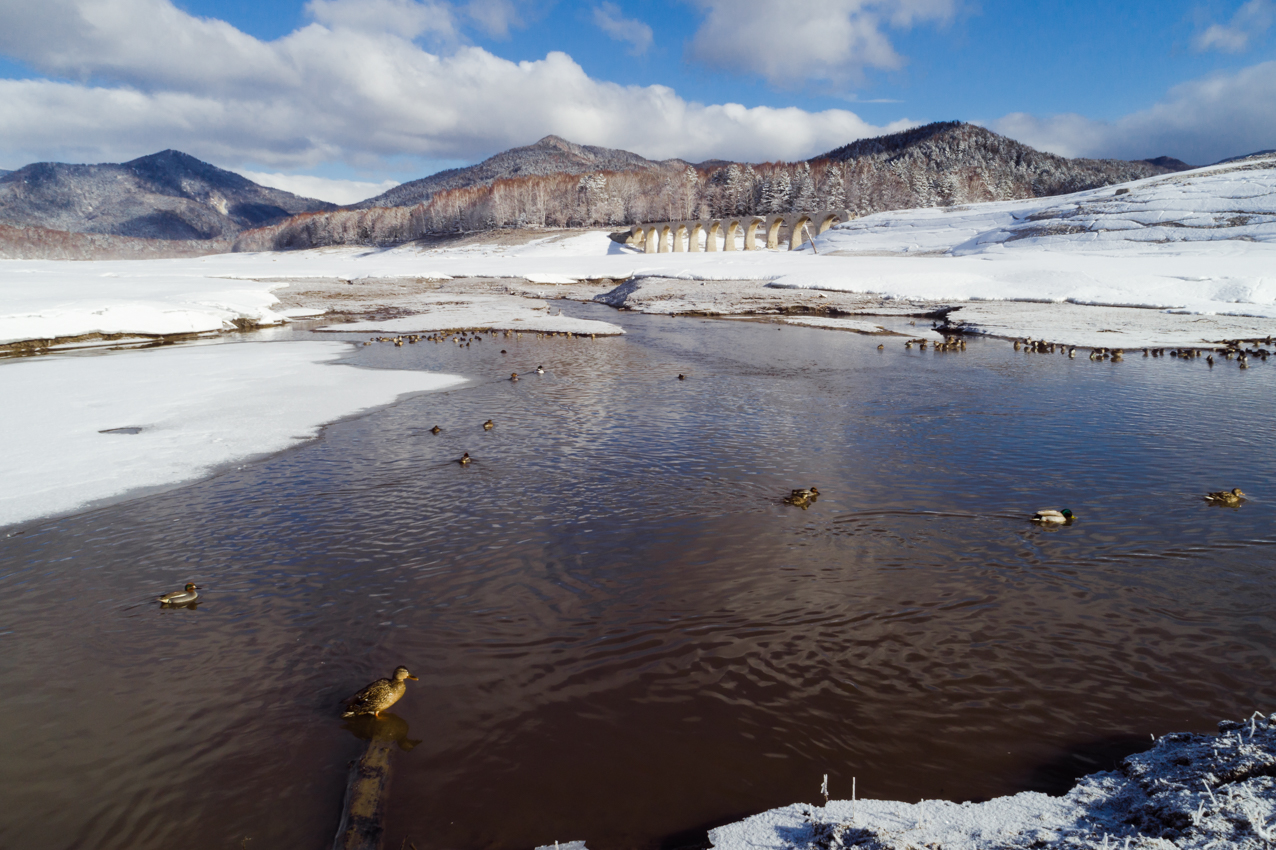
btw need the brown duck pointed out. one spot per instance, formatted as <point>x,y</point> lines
<point>380,695</point>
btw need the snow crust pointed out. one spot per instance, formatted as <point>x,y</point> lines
<point>481,312</point>
<point>198,407</point>
<point>1188,791</point>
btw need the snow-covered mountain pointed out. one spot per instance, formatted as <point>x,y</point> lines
<point>168,195</point>
<point>551,155</point>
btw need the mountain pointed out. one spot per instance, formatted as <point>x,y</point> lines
<point>555,183</point>
<point>168,195</point>
<point>951,162</point>
<point>1169,162</point>
<point>551,155</point>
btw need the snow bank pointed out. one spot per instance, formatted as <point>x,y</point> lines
<point>50,299</point>
<point>443,312</point>
<point>1189,791</point>
<point>197,408</point>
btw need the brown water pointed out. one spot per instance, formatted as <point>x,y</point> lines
<point>621,634</point>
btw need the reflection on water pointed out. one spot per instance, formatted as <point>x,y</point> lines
<point>389,727</point>
<point>622,632</point>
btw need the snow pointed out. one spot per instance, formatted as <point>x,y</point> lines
<point>1201,242</point>
<point>198,407</point>
<point>479,312</point>
<point>1188,791</point>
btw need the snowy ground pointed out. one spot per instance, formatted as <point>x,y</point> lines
<point>1188,791</point>
<point>1199,244</point>
<point>84,428</point>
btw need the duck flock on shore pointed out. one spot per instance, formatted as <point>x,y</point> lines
<point>1242,351</point>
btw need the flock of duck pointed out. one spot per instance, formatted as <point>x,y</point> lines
<point>1232,349</point>
<point>383,693</point>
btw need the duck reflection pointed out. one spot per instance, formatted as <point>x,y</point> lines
<point>388,728</point>
<point>168,606</point>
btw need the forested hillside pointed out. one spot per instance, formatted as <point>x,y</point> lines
<point>936,165</point>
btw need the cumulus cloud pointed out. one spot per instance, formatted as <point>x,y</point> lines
<point>1250,22</point>
<point>609,19</point>
<point>144,76</point>
<point>1199,122</point>
<point>790,41</point>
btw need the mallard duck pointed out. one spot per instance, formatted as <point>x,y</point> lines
<point>682,377</point>
<point>380,695</point>
<point>435,430</point>
<point>1050,515</point>
<point>465,459</point>
<point>180,597</point>
<point>881,346</point>
<point>802,498</point>
<point>513,376</point>
<point>1231,497</point>
<point>489,425</point>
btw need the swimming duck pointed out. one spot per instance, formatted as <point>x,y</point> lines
<point>682,377</point>
<point>489,425</point>
<point>380,695</point>
<point>802,498</point>
<point>881,347</point>
<point>513,376</point>
<point>1051,516</point>
<point>1231,498</point>
<point>540,370</point>
<point>180,597</point>
<point>435,430</point>
<point>465,459</point>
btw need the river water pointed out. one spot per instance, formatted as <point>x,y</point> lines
<point>622,635</point>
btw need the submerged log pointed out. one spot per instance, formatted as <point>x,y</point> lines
<point>363,814</point>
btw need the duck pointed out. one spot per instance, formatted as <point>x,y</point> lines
<point>540,370</point>
<point>465,459</point>
<point>1231,498</point>
<point>802,498</point>
<point>1052,516</point>
<point>881,347</point>
<point>513,376</point>
<point>682,377</point>
<point>380,695</point>
<point>436,430</point>
<point>180,597</point>
<point>489,425</point>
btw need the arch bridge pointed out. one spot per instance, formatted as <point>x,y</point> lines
<point>789,230</point>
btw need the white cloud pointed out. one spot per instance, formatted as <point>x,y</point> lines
<point>321,188</point>
<point>495,17</point>
<point>789,41</point>
<point>341,91</point>
<point>609,19</point>
<point>1250,22</point>
<point>1199,122</point>
<point>408,18</point>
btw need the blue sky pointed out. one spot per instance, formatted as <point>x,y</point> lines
<point>340,96</point>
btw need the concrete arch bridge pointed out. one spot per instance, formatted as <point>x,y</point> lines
<point>789,230</point>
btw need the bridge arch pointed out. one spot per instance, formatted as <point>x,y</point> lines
<point>711,236</point>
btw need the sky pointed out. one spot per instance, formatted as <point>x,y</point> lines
<point>341,99</point>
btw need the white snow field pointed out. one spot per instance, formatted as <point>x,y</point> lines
<point>197,407</point>
<point>1187,792</point>
<point>1201,242</point>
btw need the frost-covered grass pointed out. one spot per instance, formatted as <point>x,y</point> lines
<point>1188,791</point>
<point>198,408</point>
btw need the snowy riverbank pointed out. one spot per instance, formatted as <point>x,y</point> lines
<point>92,428</point>
<point>1197,244</point>
<point>1188,791</point>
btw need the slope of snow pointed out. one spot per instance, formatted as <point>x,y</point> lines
<point>198,408</point>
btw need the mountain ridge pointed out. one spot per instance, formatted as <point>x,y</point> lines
<point>165,195</point>
<point>550,155</point>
